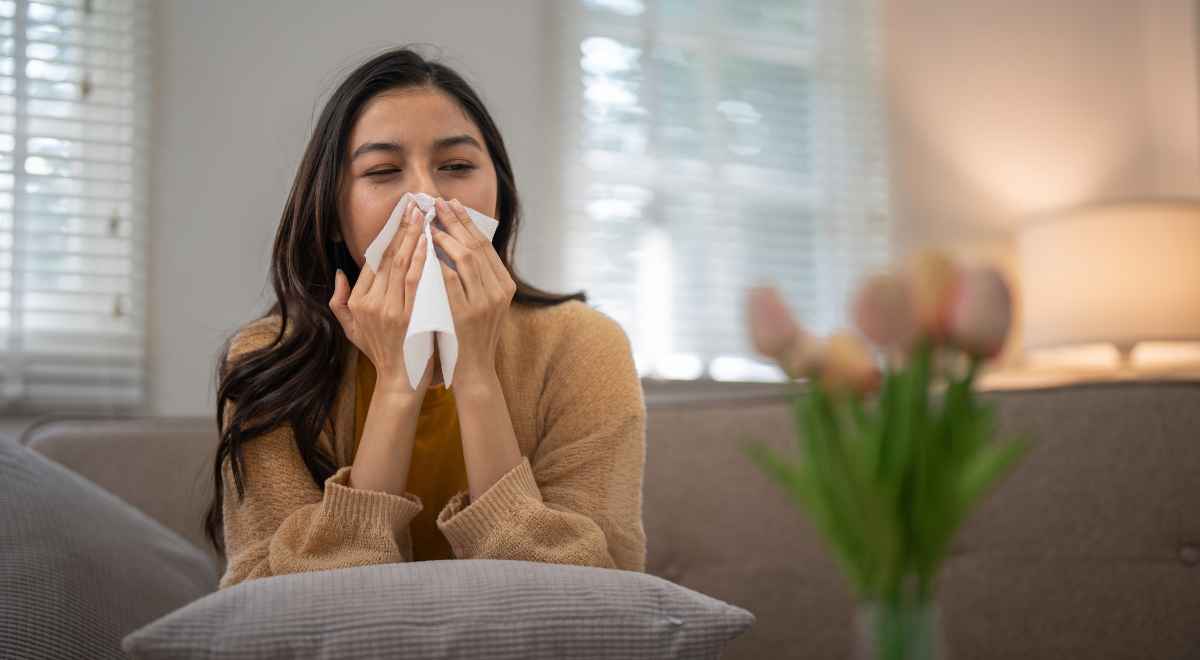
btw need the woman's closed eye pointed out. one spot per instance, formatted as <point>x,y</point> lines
<point>459,167</point>
<point>456,168</point>
<point>382,172</point>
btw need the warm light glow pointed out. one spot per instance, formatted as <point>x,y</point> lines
<point>1153,355</point>
<point>1086,356</point>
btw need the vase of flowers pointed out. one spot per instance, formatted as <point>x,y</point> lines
<point>894,446</point>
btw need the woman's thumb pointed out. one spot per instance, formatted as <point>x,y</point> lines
<point>341,295</point>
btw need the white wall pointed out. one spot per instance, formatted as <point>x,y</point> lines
<point>1172,93</point>
<point>1001,109</point>
<point>238,88</point>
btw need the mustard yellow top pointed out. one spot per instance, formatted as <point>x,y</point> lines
<point>438,470</point>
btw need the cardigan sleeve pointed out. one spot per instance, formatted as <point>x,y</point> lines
<point>284,523</point>
<point>578,499</point>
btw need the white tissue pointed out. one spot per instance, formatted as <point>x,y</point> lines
<point>431,317</point>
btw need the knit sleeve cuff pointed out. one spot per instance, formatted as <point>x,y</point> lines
<point>467,528</point>
<point>384,510</point>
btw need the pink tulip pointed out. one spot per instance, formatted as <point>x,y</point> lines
<point>847,364</point>
<point>773,329</point>
<point>883,311</point>
<point>932,279</point>
<point>981,313</point>
<point>803,357</point>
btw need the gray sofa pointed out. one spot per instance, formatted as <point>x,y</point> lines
<point>1090,550</point>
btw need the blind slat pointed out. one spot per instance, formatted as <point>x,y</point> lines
<point>109,274</point>
<point>60,341</point>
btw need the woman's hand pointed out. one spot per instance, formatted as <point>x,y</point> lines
<point>376,314</point>
<point>480,292</point>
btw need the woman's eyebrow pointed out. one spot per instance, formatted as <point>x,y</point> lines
<point>455,140</point>
<point>396,147</point>
<point>368,147</point>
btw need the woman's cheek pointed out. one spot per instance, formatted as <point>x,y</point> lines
<point>369,212</point>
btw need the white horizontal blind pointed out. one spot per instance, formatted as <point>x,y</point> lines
<point>716,144</point>
<point>74,95</point>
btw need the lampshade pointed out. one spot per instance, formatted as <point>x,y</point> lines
<point>1116,273</point>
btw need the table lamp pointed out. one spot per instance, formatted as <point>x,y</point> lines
<point>1121,275</point>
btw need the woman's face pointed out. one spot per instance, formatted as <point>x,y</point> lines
<point>411,140</point>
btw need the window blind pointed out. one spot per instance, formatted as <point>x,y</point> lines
<point>716,144</point>
<point>74,95</point>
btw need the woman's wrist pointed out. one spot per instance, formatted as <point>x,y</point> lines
<point>395,392</point>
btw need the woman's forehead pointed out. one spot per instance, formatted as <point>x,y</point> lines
<point>415,117</point>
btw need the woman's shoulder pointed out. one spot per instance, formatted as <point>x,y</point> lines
<point>570,324</point>
<point>581,351</point>
<point>254,335</point>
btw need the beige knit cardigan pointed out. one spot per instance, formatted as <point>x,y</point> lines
<point>578,411</point>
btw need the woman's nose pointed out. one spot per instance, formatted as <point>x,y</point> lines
<point>422,182</point>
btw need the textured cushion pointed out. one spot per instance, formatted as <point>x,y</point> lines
<point>466,608</point>
<point>79,568</point>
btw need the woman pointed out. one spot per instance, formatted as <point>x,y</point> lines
<point>328,456</point>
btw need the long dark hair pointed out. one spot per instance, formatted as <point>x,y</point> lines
<point>295,379</point>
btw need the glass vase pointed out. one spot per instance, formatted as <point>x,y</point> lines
<point>903,628</point>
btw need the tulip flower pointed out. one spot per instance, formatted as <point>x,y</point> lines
<point>932,279</point>
<point>889,482</point>
<point>981,313</point>
<point>803,357</point>
<point>773,328</point>
<point>883,312</point>
<point>847,364</point>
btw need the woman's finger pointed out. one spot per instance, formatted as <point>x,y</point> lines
<point>454,289</point>
<point>493,258</point>
<point>362,284</point>
<point>408,235</point>
<point>414,271</point>
<point>339,303</point>
<point>452,223</point>
<point>378,290</point>
<point>469,277</point>
<point>480,246</point>
<point>484,274</point>
<point>380,285</point>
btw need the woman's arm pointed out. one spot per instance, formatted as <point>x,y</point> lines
<point>285,523</point>
<point>578,498</point>
<point>384,453</point>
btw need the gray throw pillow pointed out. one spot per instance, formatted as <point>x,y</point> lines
<point>459,608</point>
<point>80,568</point>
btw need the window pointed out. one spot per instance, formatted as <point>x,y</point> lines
<point>716,144</point>
<point>73,115</point>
